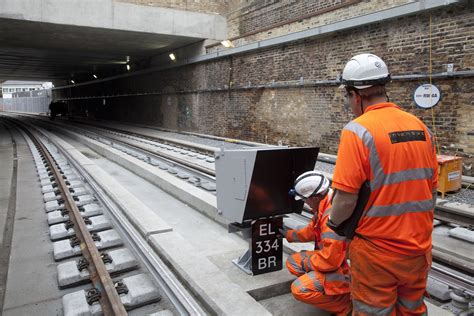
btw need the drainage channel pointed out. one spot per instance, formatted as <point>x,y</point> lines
<point>89,234</point>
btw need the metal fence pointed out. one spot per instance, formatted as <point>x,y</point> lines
<point>36,101</point>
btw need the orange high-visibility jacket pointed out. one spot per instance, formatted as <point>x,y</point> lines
<point>330,257</point>
<point>395,151</point>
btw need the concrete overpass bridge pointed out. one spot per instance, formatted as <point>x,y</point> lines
<point>60,41</point>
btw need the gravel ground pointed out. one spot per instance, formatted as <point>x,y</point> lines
<point>465,196</point>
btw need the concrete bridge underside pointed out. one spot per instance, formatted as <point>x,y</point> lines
<point>60,40</point>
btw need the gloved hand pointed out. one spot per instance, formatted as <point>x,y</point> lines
<point>284,231</point>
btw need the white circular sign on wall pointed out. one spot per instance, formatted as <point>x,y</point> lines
<point>426,96</point>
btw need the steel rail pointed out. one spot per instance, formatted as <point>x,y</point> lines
<point>453,215</point>
<point>453,278</point>
<point>442,212</point>
<point>467,181</point>
<point>200,149</point>
<point>443,273</point>
<point>169,158</point>
<point>110,300</point>
<point>82,120</point>
<point>178,295</point>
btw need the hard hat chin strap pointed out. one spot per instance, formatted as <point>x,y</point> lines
<point>360,103</point>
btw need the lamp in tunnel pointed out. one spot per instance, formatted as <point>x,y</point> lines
<point>227,43</point>
<point>72,81</point>
<point>128,67</point>
<point>172,57</point>
<point>94,75</point>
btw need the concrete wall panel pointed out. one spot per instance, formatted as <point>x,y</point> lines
<point>117,15</point>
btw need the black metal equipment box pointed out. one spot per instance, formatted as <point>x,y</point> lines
<point>254,183</point>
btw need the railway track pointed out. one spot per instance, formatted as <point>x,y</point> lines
<point>449,270</point>
<point>134,145</point>
<point>94,243</point>
<point>148,148</point>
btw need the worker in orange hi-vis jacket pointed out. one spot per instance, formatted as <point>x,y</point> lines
<point>389,156</point>
<point>323,275</point>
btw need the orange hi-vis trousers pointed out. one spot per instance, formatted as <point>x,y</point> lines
<point>387,283</point>
<point>309,286</point>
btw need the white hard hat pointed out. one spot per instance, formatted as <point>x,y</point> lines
<point>310,183</point>
<point>364,71</point>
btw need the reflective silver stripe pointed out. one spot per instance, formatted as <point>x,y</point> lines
<point>399,209</point>
<point>332,235</point>
<point>302,263</point>
<point>295,265</point>
<point>379,176</point>
<point>321,246</point>
<point>406,175</point>
<point>326,212</point>
<point>299,285</point>
<point>310,265</point>
<point>305,290</point>
<point>317,285</point>
<point>337,277</point>
<point>300,227</point>
<point>297,282</point>
<point>371,310</point>
<point>411,305</point>
<point>294,236</point>
<point>368,141</point>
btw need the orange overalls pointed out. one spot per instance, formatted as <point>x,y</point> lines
<point>323,275</point>
<point>390,255</point>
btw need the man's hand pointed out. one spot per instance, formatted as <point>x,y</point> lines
<point>284,231</point>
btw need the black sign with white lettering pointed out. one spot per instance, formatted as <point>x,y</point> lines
<point>267,245</point>
<point>407,136</point>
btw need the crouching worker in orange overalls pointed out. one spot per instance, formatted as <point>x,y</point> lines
<point>323,274</point>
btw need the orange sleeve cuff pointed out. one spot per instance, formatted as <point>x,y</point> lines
<point>345,188</point>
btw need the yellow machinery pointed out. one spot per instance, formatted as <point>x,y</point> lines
<point>449,173</point>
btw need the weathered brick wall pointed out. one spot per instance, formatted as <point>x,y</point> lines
<point>197,97</point>
<point>260,14</point>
